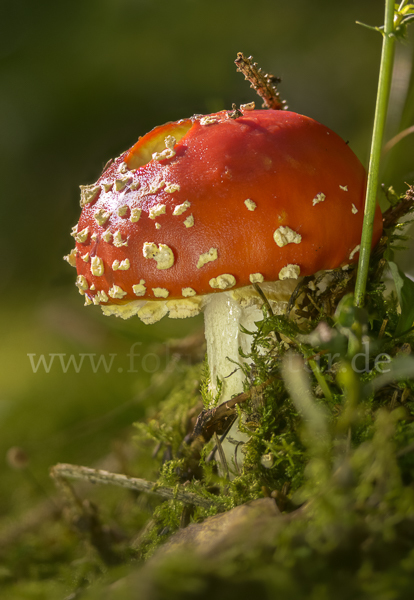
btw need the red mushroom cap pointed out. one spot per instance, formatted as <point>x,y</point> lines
<point>213,202</point>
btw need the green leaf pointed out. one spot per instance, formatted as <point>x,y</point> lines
<point>391,370</point>
<point>404,287</point>
<point>372,28</point>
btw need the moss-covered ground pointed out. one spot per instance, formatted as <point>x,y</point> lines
<point>328,413</point>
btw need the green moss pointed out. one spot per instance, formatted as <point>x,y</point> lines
<point>169,422</point>
<point>343,455</point>
<point>332,442</point>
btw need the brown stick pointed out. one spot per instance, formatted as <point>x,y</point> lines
<point>217,418</point>
<point>62,471</point>
<point>393,214</point>
<point>264,84</point>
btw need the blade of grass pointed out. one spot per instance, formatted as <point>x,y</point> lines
<point>383,93</point>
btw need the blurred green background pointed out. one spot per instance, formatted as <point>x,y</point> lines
<point>80,81</point>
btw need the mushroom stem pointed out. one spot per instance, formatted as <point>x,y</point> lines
<point>223,318</point>
<point>225,315</point>
<point>222,330</point>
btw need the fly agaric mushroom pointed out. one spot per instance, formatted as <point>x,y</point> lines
<point>200,209</point>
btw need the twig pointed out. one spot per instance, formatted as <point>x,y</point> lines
<point>223,460</point>
<point>393,214</point>
<point>83,516</point>
<point>263,297</point>
<point>62,471</point>
<point>383,328</point>
<point>268,306</point>
<point>397,138</point>
<point>264,84</point>
<point>229,424</point>
<point>217,418</point>
<point>296,293</point>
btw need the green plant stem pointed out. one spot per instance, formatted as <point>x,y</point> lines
<point>320,379</point>
<point>383,93</point>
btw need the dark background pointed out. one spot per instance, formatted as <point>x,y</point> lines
<point>79,82</point>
